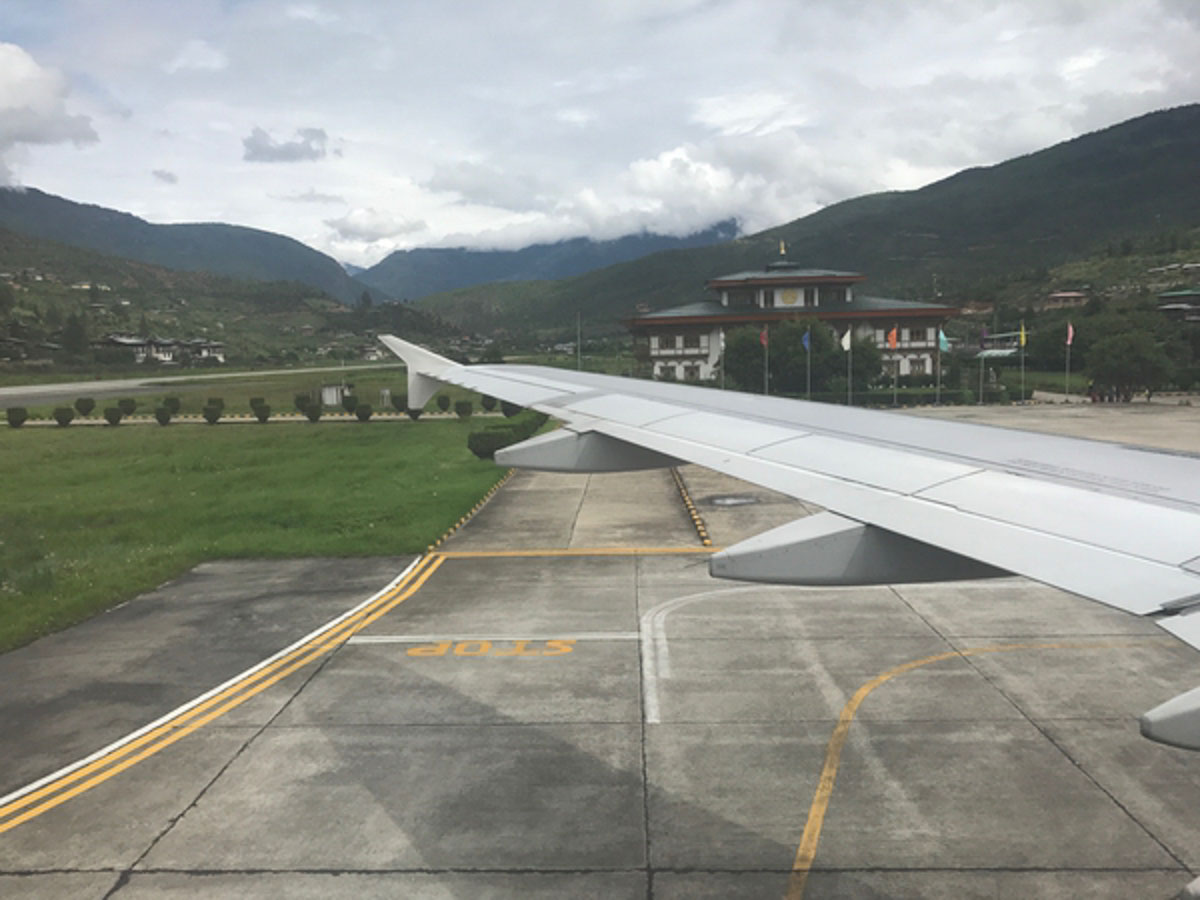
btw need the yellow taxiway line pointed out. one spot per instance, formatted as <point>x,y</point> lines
<point>807,851</point>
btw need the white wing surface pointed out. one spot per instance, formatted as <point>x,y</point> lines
<point>909,499</point>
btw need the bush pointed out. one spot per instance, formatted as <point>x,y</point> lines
<point>363,411</point>
<point>509,409</point>
<point>400,401</point>
<point>443,402</point>
<point>212,414</point>
<point>302,401</point>
<point>163,414</point>
<point>256,402</point>
<point>462,409</point>
<point>63,415</point>
<point>112,415</point>
<point>262,412</point>
<point>127,405</point>
<point>312,411</point>
<point>17,416</point>
<point>349,402</point>
<point>172,405</point>
<point>488,402</point>
<point>85,405</point>
<point>484,444</point>
<point>217,402</point>
<point>413,414</point>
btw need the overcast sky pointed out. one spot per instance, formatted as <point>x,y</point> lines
<point>363,127</point>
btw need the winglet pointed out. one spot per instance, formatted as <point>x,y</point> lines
<point>424,369</point>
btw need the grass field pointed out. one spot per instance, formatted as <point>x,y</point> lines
<point>93,516</point>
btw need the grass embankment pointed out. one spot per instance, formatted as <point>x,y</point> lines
<point>91,517</point>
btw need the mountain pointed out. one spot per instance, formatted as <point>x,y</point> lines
<point>975,231</point>
<point>412,274</point>
<point>230,250</point>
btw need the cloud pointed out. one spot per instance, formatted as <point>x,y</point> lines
<point>313,196</point>
<point>199,56</point>
<point>489,185</point>
<point>165,176</point>
<point>366,224</point>
<point>33,107</point>
<point>309,144</point>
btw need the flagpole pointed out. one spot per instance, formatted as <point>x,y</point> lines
<point>980,377</point>
<point>766,358</point>
<point>938,396</point>
<point>808,366</point>
<point>1067,376</point>
<point>850,365</point>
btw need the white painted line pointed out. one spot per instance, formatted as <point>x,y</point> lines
<point>435,638</point>
<point>162,720</point>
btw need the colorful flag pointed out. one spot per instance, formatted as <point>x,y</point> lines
<point>846,341</point>
<point>762,336</point>
<point>1022,332</point>
<point>804,341</point>
<point>1070,333</point>
<point>893,340</point>
<point>943,342</point>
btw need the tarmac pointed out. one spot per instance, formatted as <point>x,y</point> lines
<point>559,702</point>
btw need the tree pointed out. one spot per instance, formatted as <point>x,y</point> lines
<point>75,336</point>
<point>744,359</point>
<point>1131,360</point>
<point>7,298</point>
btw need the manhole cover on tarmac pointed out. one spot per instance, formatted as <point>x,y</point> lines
<point>731,500</point>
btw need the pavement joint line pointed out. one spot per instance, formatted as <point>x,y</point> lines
<point>434,638</point>
<point>170,728</point>
<point>577,551</point>
<point>807,850</point>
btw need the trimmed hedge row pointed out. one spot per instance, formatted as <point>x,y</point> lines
<point>485,443</point>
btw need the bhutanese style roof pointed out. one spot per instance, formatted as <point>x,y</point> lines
<point>711,309</point>
<point>784,270</point>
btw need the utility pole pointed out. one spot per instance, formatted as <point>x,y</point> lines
<point>578,342</point>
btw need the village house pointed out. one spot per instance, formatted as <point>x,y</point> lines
<point>165,350</point>
<point>684,343</point>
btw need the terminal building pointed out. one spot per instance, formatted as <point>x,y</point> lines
<point>684,343</point>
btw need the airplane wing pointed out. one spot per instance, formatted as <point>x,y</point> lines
<point>907,499</point>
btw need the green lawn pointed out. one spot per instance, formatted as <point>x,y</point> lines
<point>92,516</point>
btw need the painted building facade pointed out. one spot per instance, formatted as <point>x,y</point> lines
<point>684,343</point>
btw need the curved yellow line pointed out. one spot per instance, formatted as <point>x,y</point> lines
<point>807,851</point>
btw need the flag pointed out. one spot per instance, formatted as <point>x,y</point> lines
<point>722,340</point>
<point>782,249</point>
<point>983,338</point>
<point>943,343</point>
<point>846,341</point>
<point>892,339</point>
<point>1070,333</point>
<point>804,341</point>
<point>1022,332</point>
<point>762,336</point>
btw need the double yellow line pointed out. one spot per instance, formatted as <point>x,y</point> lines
<point>60,787</point>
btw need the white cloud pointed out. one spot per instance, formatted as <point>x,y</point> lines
<point>199,56</point>
<point>370,225</point>
<point>309,144</point>
<point>33,107</point>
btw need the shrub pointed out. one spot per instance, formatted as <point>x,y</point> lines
<point>302,401</point>
<point>127,405</point>
<point>256,402</point>
<point>17,416</point>
<point>63,415</point>
<point>400,401</point>
<point>172,405</point>
<point>349,402</point>
<point>488,402</point>
<point>112,415</point>
<point>313,411</point>
<point>509,409</point>
<point>443,402</point>
<point>85,405</point>
<point>462,409</point>
<point>363,411</point>
<point>217,402</point>
<point>484,444</point>
<point>212,414</point>
<point>163,414</point>
<point>262,412</point>
<point>413,414</point>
